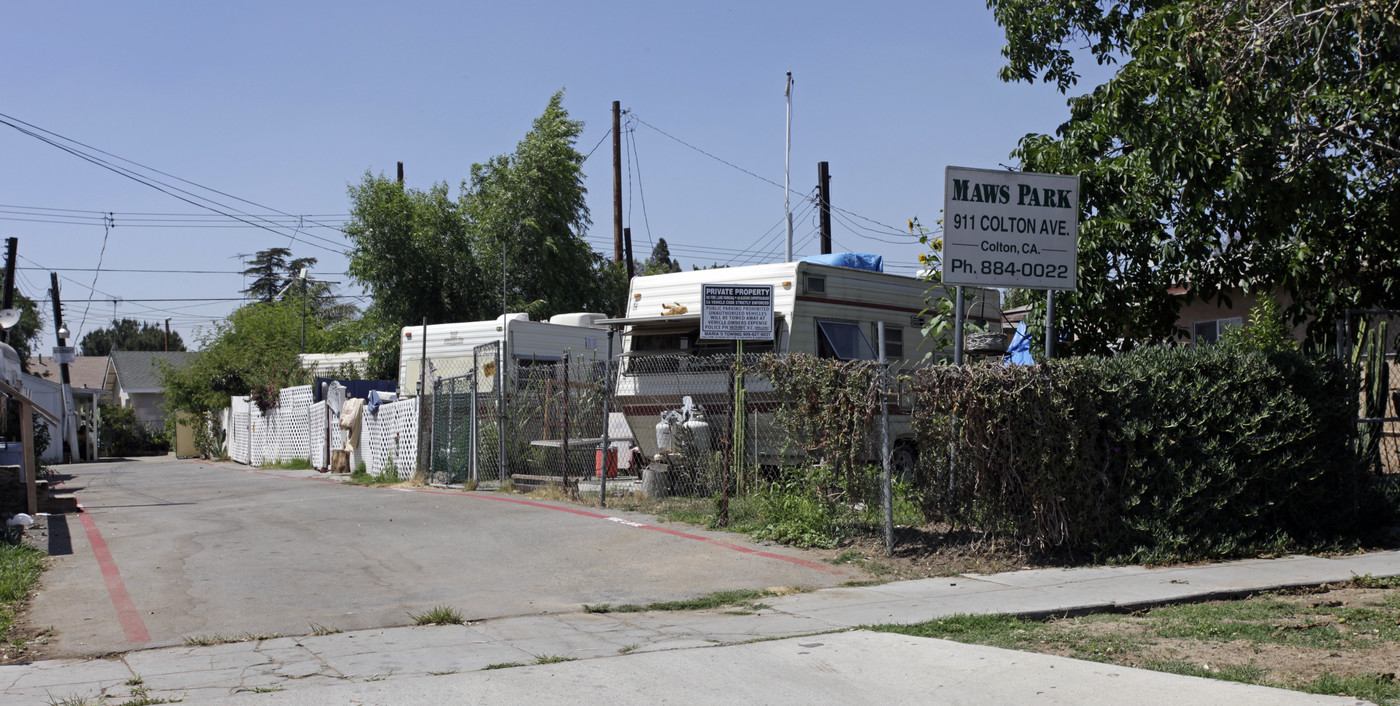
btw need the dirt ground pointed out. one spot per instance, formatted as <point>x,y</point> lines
<point>1367,653</point>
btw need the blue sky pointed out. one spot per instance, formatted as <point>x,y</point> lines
<point>286,104</point>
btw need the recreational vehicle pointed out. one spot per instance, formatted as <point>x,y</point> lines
<point>450,348</point>
<point>823,310</point>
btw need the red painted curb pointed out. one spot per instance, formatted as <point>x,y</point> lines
<point>132,625</point>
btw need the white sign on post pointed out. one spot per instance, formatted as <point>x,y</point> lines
<point>1010,229</point>
<point>736,312</point>
<point>64,354</point>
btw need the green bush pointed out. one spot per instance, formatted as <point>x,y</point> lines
<point>1166,453</point>
<point>122,434</point>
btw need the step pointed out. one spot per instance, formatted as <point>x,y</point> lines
<point>59,503</point>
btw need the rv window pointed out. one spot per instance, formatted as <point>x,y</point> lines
<point>843,340</point>
<point>534,371</point>
<point>668,342</point>
<point>894,340</point>
<point>816,285</point>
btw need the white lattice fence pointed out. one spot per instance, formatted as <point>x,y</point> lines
<point>317,426</point>
<point>239,430</point>
<point>293,437</point>
<point>392,433</point>
<point>264,446</point>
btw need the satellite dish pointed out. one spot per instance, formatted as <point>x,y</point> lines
<point>8,318</point>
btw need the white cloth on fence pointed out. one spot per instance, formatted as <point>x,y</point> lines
<point>350,419</point>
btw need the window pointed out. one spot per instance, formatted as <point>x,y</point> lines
<point>894,340</point>
<point>843,340</point>
<point>1205,333</point>
<point>816,285</point>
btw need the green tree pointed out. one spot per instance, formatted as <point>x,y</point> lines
<point>530,206</point>
<point>660,261</point>
<point>24,336</point>
<point>276,273</point>
<point>130,335</point>
<point>1238,144</point>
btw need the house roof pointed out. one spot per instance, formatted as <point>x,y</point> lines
<point>85,371</point>
<point>138,370</point>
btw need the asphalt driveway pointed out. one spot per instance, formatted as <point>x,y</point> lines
<point>167,550</point>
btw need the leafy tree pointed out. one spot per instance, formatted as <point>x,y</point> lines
<point>130,335</point>
<point>275,273</point>
<point>1239,144</point>
<point>530,206</point>
<point>24,336</point>
<point>660,261</point>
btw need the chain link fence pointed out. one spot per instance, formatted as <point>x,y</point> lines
<point>1369,340</point>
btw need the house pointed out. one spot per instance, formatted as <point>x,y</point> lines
<point>133,379</point>
<point>1204,321</point>
<point>85,375</point>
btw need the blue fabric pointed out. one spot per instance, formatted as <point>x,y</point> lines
<point>379,397</point>
<point>355,389</point>
<point>1019,352</point>
<point>856,260</point>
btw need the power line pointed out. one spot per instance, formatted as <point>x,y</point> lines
<point>172,272</point>
<point>34,131</point>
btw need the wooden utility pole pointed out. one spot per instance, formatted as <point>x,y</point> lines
<point>167,334</point>
<point>617,180</point>
<point>824,194</point>
<point>400,173</point>
<point>58,323</point>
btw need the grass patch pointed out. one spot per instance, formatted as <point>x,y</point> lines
<point>745,598</point>
<point>361,476</point>
<point>553,659</point>
<point>319,629</point>
<point>216,639</point>
<point>1376,688</point>
<point>625,649</point>
<point>20,567</point>
<point>263,689</point>
<point>1243,673</point>
<point>141,696</point>
<point>291,464</point>
<point>597,607</point>
<point>439,615</point>
<point>503,665</point>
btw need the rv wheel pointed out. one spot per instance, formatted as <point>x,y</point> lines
<point>902,459</point>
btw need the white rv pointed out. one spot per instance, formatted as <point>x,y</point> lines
<point>823,310</point>
<point>449,347</point>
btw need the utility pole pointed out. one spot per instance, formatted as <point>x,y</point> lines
<point>400,173</point>
<point>11,251</point>
<point>617,183</point>
<point>167,336</point>
<point>824,192</point>
<point>61,337</point>
<point>787,161</point>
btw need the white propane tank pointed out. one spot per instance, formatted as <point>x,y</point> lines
<point>665,436</point>
<point>698,430</point>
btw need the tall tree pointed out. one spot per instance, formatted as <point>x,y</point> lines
<point>130,335</point>
<point>275,271</point>
<point>527,215</point>
<point>269,270</point>
<point>1240,143</point>
<point>660,261</point>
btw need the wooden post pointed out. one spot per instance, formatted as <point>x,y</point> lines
<point>31,468</point>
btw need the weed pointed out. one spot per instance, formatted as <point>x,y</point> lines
<point>553,659</point>
<point>1369,581</point>
<point>74,700</point>
<point>597,607</point>
<point>134,681</point>
<point>291,464</point>
<point>507,486</point>
<point>263,689</point>
<point>216,639</point>
<point>1243,673</point>
<point>442,673</point>
<point>503,665</point>
<point>319,629</point>
<point>627,648</point>
<point>438,615</point>
<point>864,583</point>
<point>745,598</point>
<point>380,677</point>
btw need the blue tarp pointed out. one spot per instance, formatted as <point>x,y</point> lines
<point>1019,352</point>
<point>355,389</point>
<point>856,260</point>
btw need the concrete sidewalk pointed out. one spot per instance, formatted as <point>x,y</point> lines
<point>711,656</point>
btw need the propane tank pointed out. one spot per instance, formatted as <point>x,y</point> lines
<point>665,435</point>
<point>698,430</point>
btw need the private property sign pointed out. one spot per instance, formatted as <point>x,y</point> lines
<point>1010,229</point>
<point>736,312</point>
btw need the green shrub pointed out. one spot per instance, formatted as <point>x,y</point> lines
<point>1165,453</point>
<point>122,434</point>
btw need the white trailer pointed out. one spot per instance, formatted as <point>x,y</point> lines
<point>449,347</point>
<point>822,310</point>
